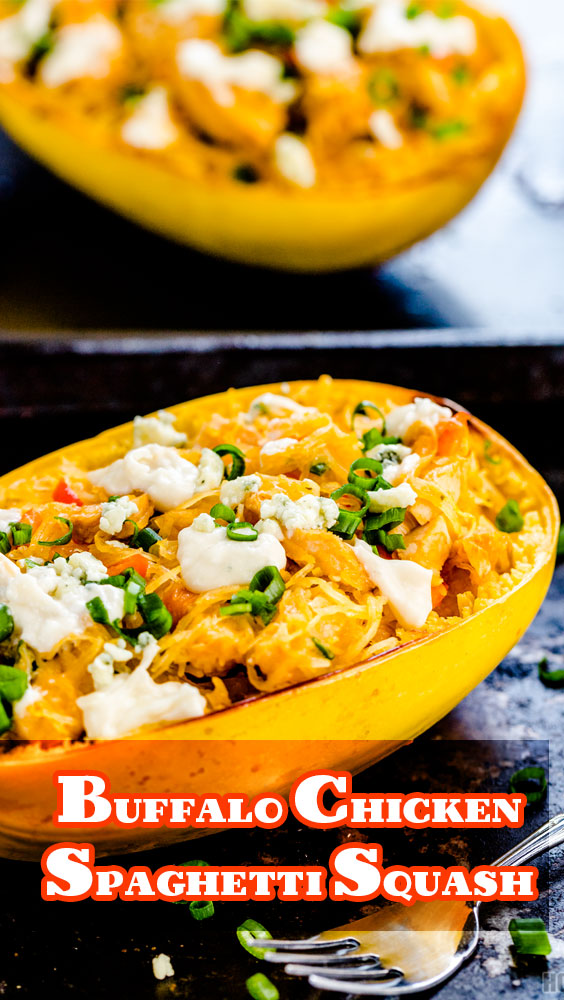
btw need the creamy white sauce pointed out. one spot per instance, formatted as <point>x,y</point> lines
<point>398,496</point>
<point>156,469</point>
<point>284,10</point>
<point>177,11</point>
<point>276,447</point>
<point>10,516</point>
<point>133,700</point>
<point>294,161</point>
<point>115,513</point>
<point>388,29</point>
<point>307,513</point>
<point>405,585</point>
<point>271,404</point>
<point>150,125</point>
<point>82,50</point>
<point>234,491</point>
<point>324,48</point>
<point>254,70</point>
<point>158,430</point>
<point>422,411</point>
<point>48,603</point>
<point>211,471</point>
<point>383,127</point>
<point>208,559</point>
<point>20,32</point>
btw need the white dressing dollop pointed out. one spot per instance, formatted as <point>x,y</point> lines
<point>158,430</point>
<point>209,559</point>
<point>382,125</point>
<point>271,404</point>
<point>82,50</point>
<point>150,126</point>
<point>421,411</point>
<point>167,477</point>
<point>20,32</point>
<point>399,496</point>
<point>389,29</point>
<point>129,701</point>
<point>406,585</point>
<point>253,70</point>
<point>324,48</point>
<point>10,516</point>
<point>48,603</point>
<point>293,160</point>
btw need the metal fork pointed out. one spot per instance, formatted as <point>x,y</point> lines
<point>338,964</point>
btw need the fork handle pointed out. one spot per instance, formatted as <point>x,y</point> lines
<point>547,836</point>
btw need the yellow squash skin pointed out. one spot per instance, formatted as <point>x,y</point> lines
<point>264,224</point>
<point>345,720</point>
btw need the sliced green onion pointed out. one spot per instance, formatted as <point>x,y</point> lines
<point>319,468</point>
<point>261,988</point>
<point>510,518</point>
<point>245,173</point>
<point>346,525</point>
<point>529,936</point>
<point>13,682</point>
<point>413,10</point>
<point>363,407</point>
<point>241,531</point>
<point>249,933</point>
<point>389,542</point>
<point>347,19</point>
<point>98,611</point>
<point>550,678</point>
<point>238,464</point>
<point>460,74</point>
<point>531,781</point>
<point>560,543</point>
<point>189,864</point>
<point>373,437</point>
<point>353,490</point>
<point>269,582</point>
<point>201,909</point>
<point>365,482</point>
<point>448,130</point>
<point>5,543</point>
<point>388,519</point>
<point>6,622</point>
<point>64,538</point>
<point>221,512</point>
<point>156,615</point>
<point>324,650</point>
<point>145,539</point>
<point>383,87</point>
<point>237,608</point>
<point>446,10</point>
<point>5,719</point>
<point>21,533</point>
<point>135,535</point>
<point>493,460</point>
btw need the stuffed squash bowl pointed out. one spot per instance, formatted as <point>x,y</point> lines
<point>301,134</point>
<point>321,570</point>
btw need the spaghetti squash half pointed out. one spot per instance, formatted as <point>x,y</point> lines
<point>307,134</point>
<point>242,544</point>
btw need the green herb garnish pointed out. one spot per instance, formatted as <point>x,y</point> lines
<point>509,518</point>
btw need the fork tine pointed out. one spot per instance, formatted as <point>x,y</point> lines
<point>321,958</point>
<point>373,970</point>
<point>313,944</point>
<point>376,987</point>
